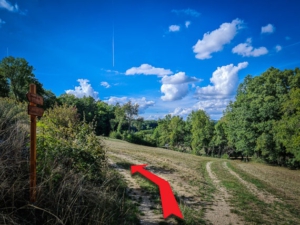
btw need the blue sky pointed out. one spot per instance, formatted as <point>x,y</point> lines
<point>167,56</point>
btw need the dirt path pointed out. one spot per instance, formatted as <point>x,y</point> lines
<point>221,210</point>
<point>262,195</point>
<point>180,175</point>
<point>148,217</point>
<point>197,185</point>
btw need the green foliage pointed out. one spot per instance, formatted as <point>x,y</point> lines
<point>14,126</point>
<point>15,76</point>
<point>63,138</point>
<point>115,135</point>
<point>225,156</point>
<point>201,129</point>
<point>74,185</point>
<point>138,138</point>
<point>260,121</point>
<point>287,130</point>
<point>90,110</point>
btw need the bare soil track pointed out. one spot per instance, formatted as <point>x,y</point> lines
<point>199,189</point>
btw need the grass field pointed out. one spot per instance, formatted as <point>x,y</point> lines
<point>209,190</point>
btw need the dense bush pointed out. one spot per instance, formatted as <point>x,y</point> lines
<point>74,184</point>
<point>138,138</point>
<point>115,134</point>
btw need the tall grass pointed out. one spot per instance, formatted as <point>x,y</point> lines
<point>74,184</point>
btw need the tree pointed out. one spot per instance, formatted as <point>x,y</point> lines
<point>130,110</point>
<point>4,86</point>
<point>18,74</point>
<point>176,127</point>
<point>287,130</point>
<point>202,130</point>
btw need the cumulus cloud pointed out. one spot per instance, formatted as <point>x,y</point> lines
<point>174,91</point>
<point>105,84</point>
<point>8,6</point>
<point>213,107</point>
<point>268,29</point>
<point>215,40</point>
<point>174,28</point>
<point>176,87</point>
<point>189,12</point>
<point>179,111</point>
<point>246,49</point>
<point>147,69</point>
<point>142,102</point>
<point>178,78</point>
<point>278,48</point>
<point>187,24</point>
<point>224,81</point>
<point>85,89</point>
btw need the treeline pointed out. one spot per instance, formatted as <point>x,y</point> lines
<point>262,123</point>
<point>75,185</point>
<point>16,75</point>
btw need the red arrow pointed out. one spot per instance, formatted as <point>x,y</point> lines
<point>168,201</point>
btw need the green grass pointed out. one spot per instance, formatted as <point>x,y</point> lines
<point>191,216</point>
<point>246,204</point>
<point>261,185</point>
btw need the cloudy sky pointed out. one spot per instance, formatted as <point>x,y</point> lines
<point>167,56</point>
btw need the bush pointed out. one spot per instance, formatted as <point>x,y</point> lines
<point>138,139</point>
<point>225,156</point>
<point>115,135</point>
<point>74,184</point>
<point>293,164</point>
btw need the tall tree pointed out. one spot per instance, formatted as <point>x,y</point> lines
<point>202,130</point>
<point>131,110</point>
<point>19,75</point>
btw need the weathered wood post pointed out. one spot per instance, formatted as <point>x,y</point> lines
<point>33,111</point>
<point>32,149</point>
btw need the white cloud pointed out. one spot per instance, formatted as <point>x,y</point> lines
<point>147,69</point>
<point>174,28</point>
<point>142,102</point>
<point>174,92</point>
<point>176,87</point>
<point>85,89</point>
<point>213,107</point>
<point>179,111</point>
<point>224,81</point>
<point>246,49</point>
<point>278,48</point>
<point>178,78</point>
<point>214,41</point>
<point>105,84</point>
<point>189,12</point>
<point>1,22</point>
<point>7,5</point>
<point>268,29</point>
<point>187,24</point>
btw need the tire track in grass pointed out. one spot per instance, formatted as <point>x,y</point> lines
<point>220,213</point>
<point>189,202</point>
<point>262,195</point>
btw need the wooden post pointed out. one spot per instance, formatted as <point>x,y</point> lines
<point>32,89</point>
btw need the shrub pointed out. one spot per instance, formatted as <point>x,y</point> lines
<point>225,156</point>
<point>115,135</point>
<point>74,184</point>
